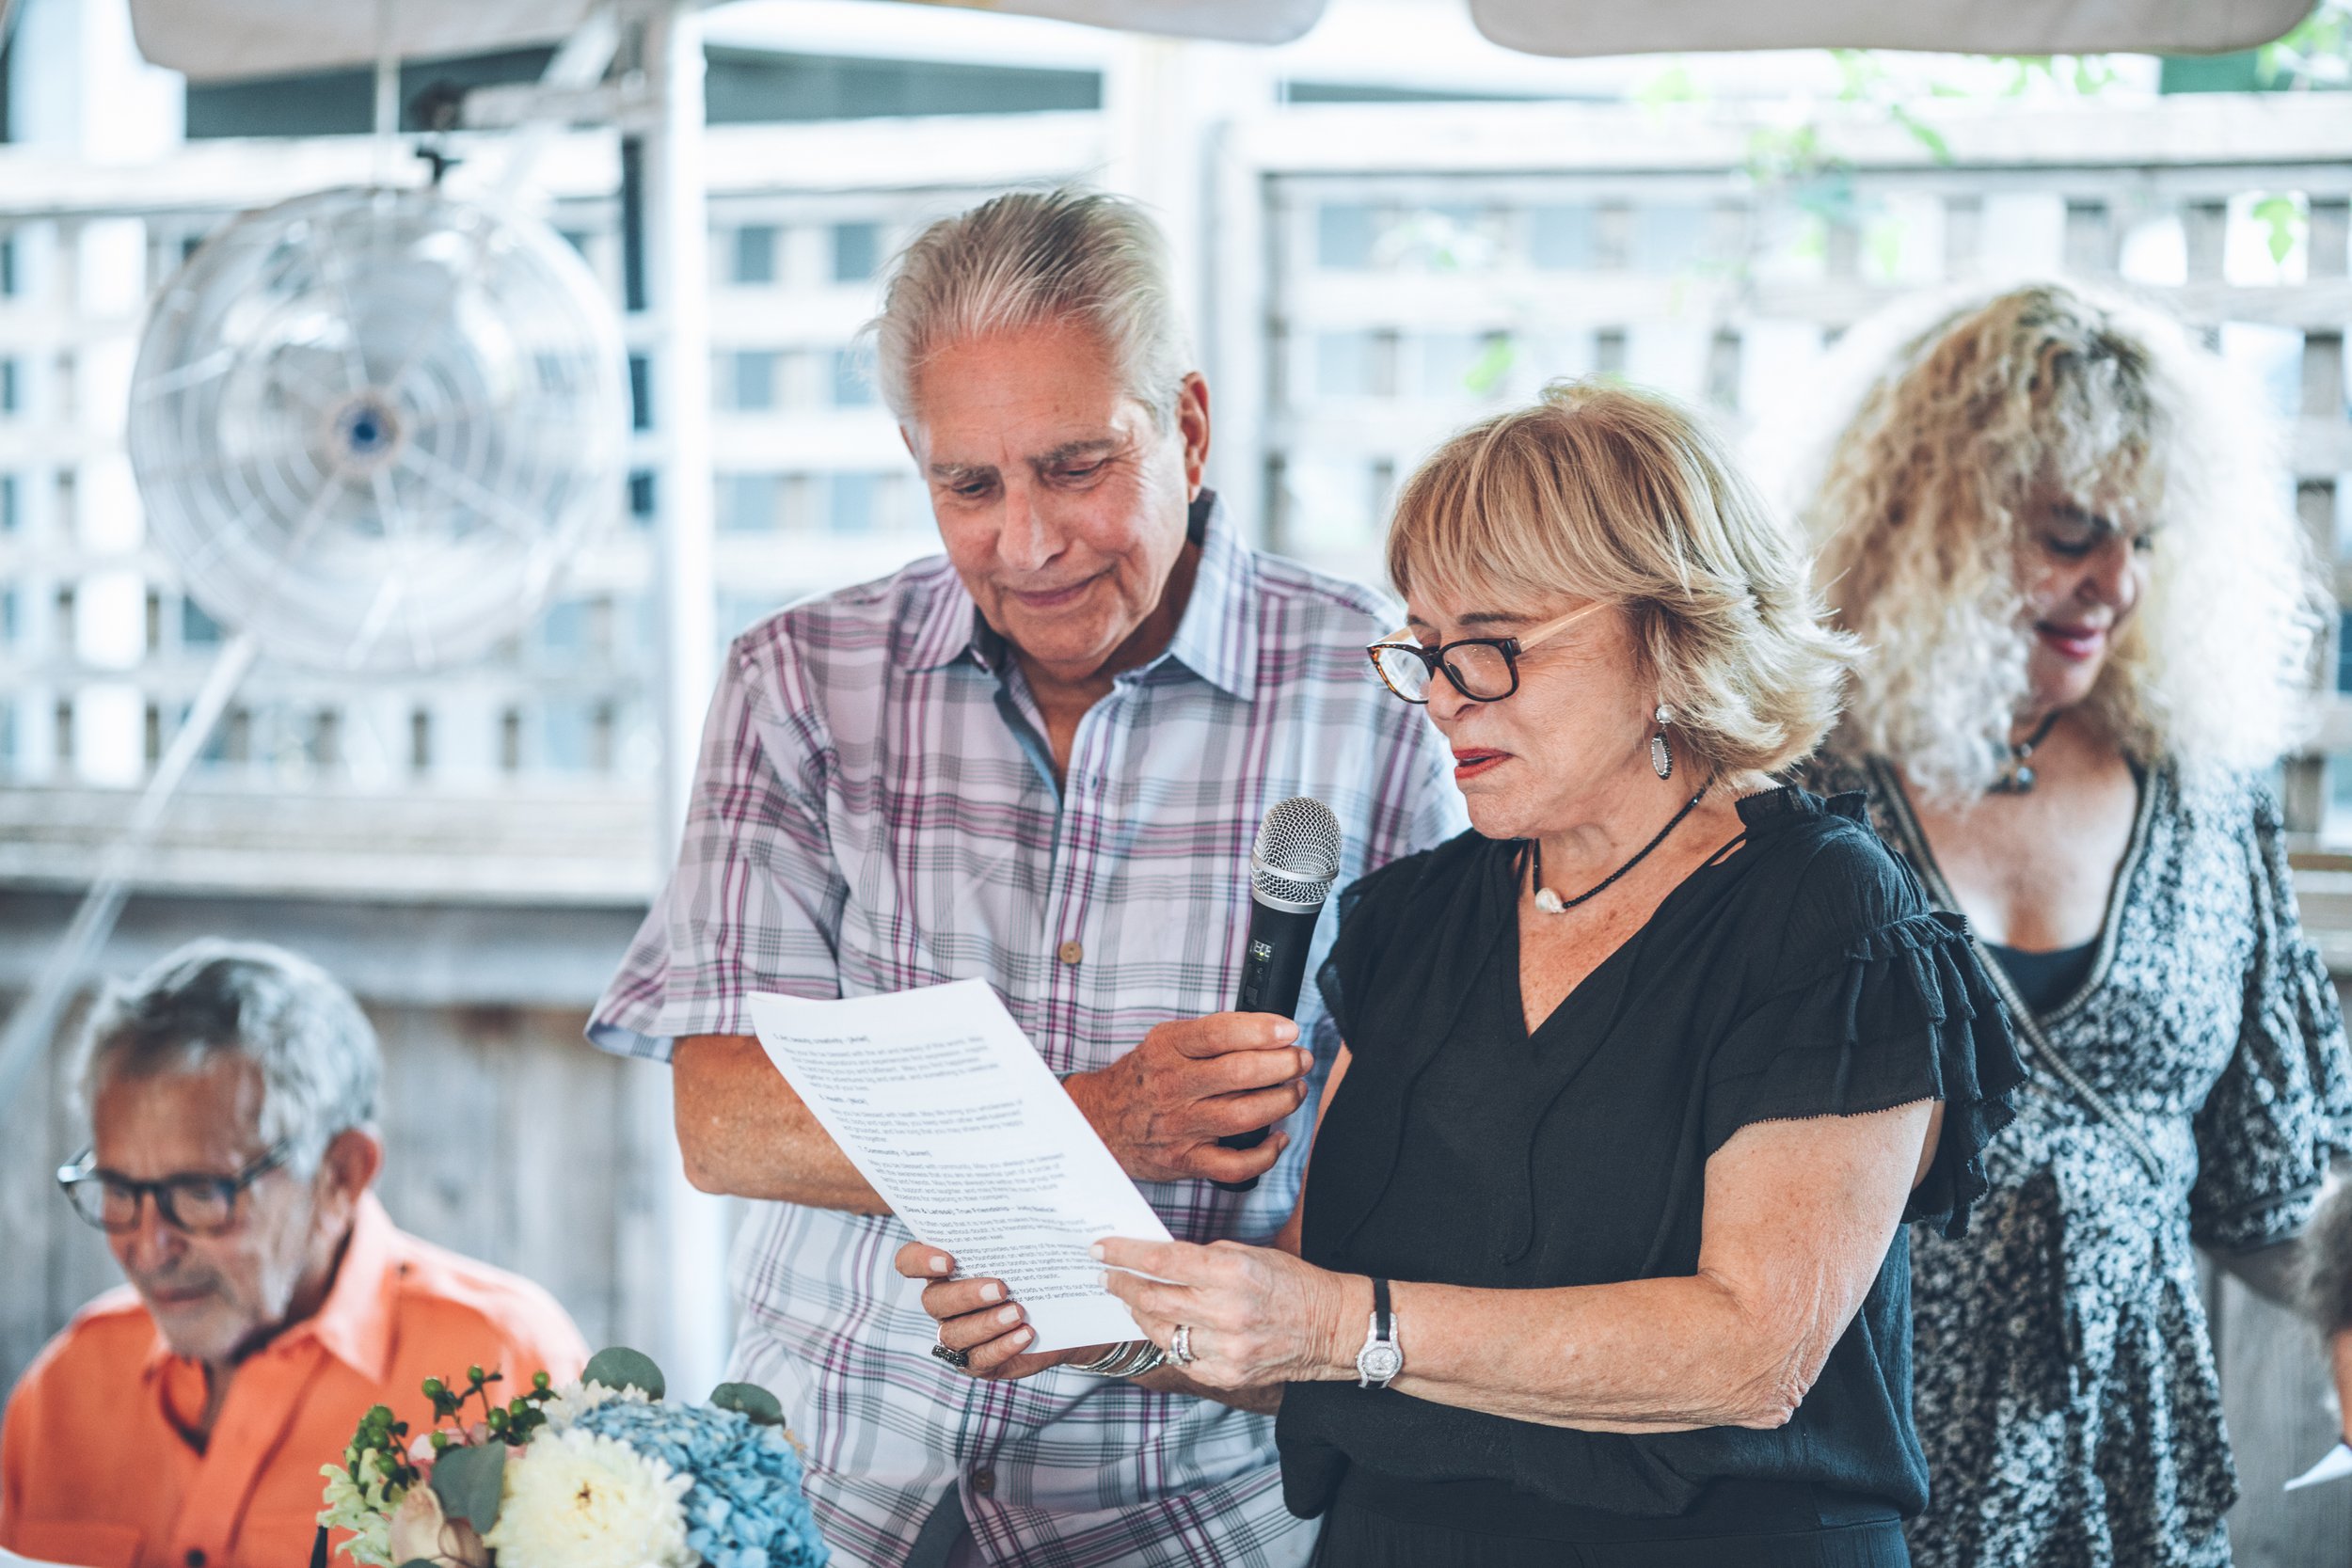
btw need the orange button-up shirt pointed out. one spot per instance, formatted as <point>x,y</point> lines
<point>94,1466</point>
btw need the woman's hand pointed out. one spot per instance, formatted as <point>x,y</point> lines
<point>1258,1317</point>
<point>974,1317</point>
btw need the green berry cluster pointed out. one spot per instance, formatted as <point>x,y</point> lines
<point>381,1446</point>
<point>511,1422</point>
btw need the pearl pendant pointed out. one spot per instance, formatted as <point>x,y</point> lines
<point>1549,901</point>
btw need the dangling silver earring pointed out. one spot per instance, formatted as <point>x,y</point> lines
<point>1662,757</point>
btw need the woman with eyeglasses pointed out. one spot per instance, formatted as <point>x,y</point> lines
<point>1599,1256</point>
<point>2069,548</point>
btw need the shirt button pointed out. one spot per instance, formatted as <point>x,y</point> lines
<point>984,1481</point>
<point>1071,952</point>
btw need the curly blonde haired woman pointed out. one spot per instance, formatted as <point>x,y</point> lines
<point>2088,617</point>
<point>1640,1076</point>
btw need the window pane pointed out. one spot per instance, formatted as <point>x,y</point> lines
<point>563,628</point>
<point>856,251</point>
<point>754,380</point>
<point>851,388</point>
<point>1343,364</point>
<point>1346,236</point>
<point>1667,238</point>
<point>1355,364</point>
<point>747,503</point>
<point>755,254</point>
<point>196,628</point>
<point>1447,362</point>
<point>564,732</point>
<point>1562,239</point>
<point>852,504</point>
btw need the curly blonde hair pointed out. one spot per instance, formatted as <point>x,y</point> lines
<point>1600,491</point>
<point>1918,521</point>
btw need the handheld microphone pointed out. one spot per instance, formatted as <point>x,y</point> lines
<point>1291,869</point>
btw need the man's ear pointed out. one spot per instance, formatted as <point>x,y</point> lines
<point>1192,423</point>
<point>350,1167</point>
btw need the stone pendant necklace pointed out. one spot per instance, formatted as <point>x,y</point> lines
<point>2017,774</point>
<point>1551,903</point>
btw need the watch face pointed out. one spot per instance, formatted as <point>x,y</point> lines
<point>1379,1362</point>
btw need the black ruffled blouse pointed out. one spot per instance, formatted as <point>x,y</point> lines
<point>1803,976</point>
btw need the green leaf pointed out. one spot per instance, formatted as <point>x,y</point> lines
<point>468,1481</point>
<point>1921,131</point>
<point>751,1401</point>
<point>1674,85</point>
<point>618,1366</point>
<point>1487,375</point>
<point>2283,215</point>
<point>420,1562</point>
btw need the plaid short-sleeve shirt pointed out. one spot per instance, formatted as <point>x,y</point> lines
<point>876,809</point>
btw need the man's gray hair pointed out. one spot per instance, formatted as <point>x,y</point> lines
<point>1030,258</point>
<point>315,1049</point>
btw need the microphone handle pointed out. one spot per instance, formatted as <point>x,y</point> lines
<point>1273,968</point>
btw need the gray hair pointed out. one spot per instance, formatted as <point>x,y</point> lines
<point>1030,258</point>
<point>315,1049</point>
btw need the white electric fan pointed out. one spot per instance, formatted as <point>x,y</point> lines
<point>370,426</point>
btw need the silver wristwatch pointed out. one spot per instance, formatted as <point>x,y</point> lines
<point>1382,1359</point>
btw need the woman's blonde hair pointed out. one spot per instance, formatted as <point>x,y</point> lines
<point>2050,391</point>
<point>1600,491</point>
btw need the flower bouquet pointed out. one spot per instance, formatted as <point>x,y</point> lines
<point>594,1474</point>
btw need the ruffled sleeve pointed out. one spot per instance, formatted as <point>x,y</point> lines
<point>2279,1113</point>
<point>1898,1010</point>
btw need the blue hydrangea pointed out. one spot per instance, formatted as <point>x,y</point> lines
<point>746,1508</point>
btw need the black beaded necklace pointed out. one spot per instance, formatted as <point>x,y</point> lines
<point>1551,903</point>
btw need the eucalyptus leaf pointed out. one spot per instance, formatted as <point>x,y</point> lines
<point>468,1482</point>
<point>749,1400</point>
<point>619,1367</point>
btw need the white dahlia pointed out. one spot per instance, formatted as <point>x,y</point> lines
<point>574,1499</point>
<point>575,1399</point>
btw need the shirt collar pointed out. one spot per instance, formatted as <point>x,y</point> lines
<point>355,1323</point>
<point>1216,638</point>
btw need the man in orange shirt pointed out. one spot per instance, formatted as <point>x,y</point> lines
<point>182,1422</point>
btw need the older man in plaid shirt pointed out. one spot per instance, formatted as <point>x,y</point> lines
<point>1039,760</point>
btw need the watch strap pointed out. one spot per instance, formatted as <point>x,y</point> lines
<point>1380,1360</point>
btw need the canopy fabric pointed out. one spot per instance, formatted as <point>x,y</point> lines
<point>215,41</point>
<point>1226,21</point>
<point>1953,27</point>
<point>222,40</point>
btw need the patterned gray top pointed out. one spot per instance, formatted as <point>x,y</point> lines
<point>2066,1392</point>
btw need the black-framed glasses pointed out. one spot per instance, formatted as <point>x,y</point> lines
<point>1482,669</point>
<point>199,1203</point>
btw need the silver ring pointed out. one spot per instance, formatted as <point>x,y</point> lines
<point>960,1359</point>
<point>1180,1347</point>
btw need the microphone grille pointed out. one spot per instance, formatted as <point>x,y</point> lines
<point>1297,855</point>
